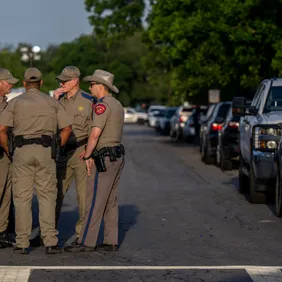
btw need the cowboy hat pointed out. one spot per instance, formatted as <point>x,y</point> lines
<point>102,77</point>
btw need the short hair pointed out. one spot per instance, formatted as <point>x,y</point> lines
<point>106,87</point>
<point>35,84</point>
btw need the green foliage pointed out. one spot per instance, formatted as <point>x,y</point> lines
<point>121,18</point>
<point>229,44</point>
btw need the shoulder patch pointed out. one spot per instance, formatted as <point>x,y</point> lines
<point>87,96</point>
<point>100,109</point>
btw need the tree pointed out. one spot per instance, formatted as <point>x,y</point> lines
<point>115,17</point>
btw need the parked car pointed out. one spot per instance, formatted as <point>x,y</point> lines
<point>228,142</point>
<point>142,117</point>
<point>130,115</point>
<point>158,116</point>
<point>189,130</point>
<point>210,128</point>
<point>165,120</point>
<point>152,112</point>
<point>178,120</point>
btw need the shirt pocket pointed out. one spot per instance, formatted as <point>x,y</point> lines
<point>80,118</point>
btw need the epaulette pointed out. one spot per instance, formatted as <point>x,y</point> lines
<point>87,96</point>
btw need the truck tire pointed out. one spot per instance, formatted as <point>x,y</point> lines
<point>278,194</point>
<point>243,180</point>
<point>255,197</point>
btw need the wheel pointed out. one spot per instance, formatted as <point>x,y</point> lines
<point>172,133</point>
<point>278,194</point>
<point>178,135</point>
<point>225,164</point>
<point>255,197</point>
<point>243,179</point>
<point>205,154</point>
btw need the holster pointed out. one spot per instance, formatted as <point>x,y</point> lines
<point>11,144</point>
<point>55,148</point>
<point>99,161</point>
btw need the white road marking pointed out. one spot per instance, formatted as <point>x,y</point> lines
<point>14,275</point>
<point>144,267</point>
<point>265,274</point>
<point>256,273</point>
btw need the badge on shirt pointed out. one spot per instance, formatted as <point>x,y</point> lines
<point>80,108</point>
<point>100,109</point>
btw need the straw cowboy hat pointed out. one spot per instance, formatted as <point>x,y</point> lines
<point>102,77</point>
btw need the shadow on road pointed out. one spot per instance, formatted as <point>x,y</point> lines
<point>128,216</point>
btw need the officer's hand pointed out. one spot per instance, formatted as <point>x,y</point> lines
<point>82,155</point>
<point>89,164</point>
<point>58,92</point>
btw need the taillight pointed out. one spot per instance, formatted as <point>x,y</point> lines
<point>216,126</point>
<point>233,124</point>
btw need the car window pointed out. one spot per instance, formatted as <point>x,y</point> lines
<point>223,110</point>
<point>256,100</point>
<point>169,113</point>
<point>274,99</point>
<point>130,112</point>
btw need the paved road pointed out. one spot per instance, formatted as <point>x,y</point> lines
<point>180,220</point>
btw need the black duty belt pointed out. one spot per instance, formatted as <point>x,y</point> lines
<point>44,140</point>
<point>74,145</point>
<point>112,152</point>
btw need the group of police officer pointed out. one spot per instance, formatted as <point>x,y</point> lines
<point>46,143</point>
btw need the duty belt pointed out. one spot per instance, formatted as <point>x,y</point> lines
<point>116,151</point>
<point>44,140</point>
<point>74,145</point>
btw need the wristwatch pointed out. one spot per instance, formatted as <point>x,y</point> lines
<point>87,158</point>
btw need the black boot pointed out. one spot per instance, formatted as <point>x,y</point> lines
<point>107,247</point>
<point>53,250</point>
<point>5,240</point>
<point>22,251</point>
<point>75,247</point>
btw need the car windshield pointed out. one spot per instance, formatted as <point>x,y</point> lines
<point>223,110</point>
<point>170,113</point>
<point>274,99</point>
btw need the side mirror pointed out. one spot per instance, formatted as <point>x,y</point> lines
<point>240,105</point>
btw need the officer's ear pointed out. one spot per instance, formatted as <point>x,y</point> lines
<point>41,82</point>
<point>24,84</point>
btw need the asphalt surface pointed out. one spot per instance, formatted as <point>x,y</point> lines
<point>175,212</point>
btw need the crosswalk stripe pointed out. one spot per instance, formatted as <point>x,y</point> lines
<point>265,274</point>
<point>250,268</point>
<point>14,275</point>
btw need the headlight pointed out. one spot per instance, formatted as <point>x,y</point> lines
<point>271,145</point>
<point>266,137</point>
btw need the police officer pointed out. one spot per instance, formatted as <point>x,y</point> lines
<point>79,107</point>
<point>7,81</point>
<point>35,117</point>
<point>105,141</point>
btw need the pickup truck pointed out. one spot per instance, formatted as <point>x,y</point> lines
<point>259,136</point>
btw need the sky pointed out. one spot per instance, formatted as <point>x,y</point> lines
<point>42,22</point>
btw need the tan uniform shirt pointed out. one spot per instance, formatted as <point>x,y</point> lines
<point>3,103</point>
<point>33,114</point>
<point>79,109</point>
<point>109,116</point>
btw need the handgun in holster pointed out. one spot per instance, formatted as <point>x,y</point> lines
<point>99,161</point>
<point>55,148</point>
<point>112,154</point>
<point>11,146</point>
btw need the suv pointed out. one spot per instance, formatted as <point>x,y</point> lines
<point>259,133</point>
<point>209,131</point>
